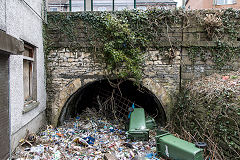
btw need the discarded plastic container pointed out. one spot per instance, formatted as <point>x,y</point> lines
<point>137,127</point>
<point>150,123</point>
<point>175,148</point>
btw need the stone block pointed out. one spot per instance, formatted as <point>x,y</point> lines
<point>186,60</point>
<point>187,75</point>
<point>62,50</point>
<point>149,73</point>
<point>157,62</point>
<point>191,37</point>
<point>153,52</point>
<point>176,34</point>
<point>189,29</point>
<point>149,63</point>
<point>86,81</point>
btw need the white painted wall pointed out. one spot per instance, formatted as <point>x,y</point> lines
<point>2,15</point>
<point>23,24</point>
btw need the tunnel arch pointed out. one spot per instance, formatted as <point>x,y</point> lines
<point>74,96</point>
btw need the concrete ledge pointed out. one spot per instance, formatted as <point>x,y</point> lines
<point>10,44</point>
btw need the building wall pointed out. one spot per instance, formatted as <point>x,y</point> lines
<point>4,109</point>
<point>2,15</point>
<point>23,24</point>
<point>209,4</point>
<point>199,4</point>
<point>236,6</point>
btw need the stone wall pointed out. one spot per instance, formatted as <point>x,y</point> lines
<point>65,67</point>
<point>166,74</point>
<point>196,36</point>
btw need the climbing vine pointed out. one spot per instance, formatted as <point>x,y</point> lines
<point>120,39</point>
<point>222,29</point>
<point>122,48</point>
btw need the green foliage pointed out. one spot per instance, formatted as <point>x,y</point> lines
<point>220,54</point>
<point>122,48</point>
<point>121,38</point>
<point>222,27</point>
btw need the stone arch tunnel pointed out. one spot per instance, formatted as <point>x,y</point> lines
<point>71,74</point>
<point>79,94</point>
<point>113,100</point>
<point>70,69</point>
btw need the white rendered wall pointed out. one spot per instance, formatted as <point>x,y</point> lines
<point>3,14</point>
<point>23,24</point>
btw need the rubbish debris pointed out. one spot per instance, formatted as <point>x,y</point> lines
<point>108,156</point>
<point>89,136</point>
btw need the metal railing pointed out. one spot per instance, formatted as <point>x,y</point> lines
<point>107,5</point>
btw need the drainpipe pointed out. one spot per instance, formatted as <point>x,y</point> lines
<point>70,5</point>
<point>135,4</point>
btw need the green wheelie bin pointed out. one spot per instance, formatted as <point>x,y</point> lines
<point>137,126</point>
<point>175,148</point>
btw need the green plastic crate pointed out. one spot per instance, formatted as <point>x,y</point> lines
<point>175,148</point>
<point>137,126</point>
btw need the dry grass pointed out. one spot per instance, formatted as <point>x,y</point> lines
<point>208,109</point>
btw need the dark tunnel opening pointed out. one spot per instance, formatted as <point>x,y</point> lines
<point>101,94</point>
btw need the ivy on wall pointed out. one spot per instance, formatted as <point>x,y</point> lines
<point>121,47</point>
<point>222,28</point>
<point>120,39</point>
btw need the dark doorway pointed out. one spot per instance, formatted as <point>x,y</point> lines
<point>4,108</point>
<point>103,93</point>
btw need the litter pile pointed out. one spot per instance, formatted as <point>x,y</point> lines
<point>88,136</point>
<point>216,84</point>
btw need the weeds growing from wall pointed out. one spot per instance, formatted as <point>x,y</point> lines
<point>120,39</point>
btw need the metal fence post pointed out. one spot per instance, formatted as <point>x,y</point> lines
<point>84,5</point>
<point>113,5</point>
<point>70,5</point>
<point>91,5</point>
